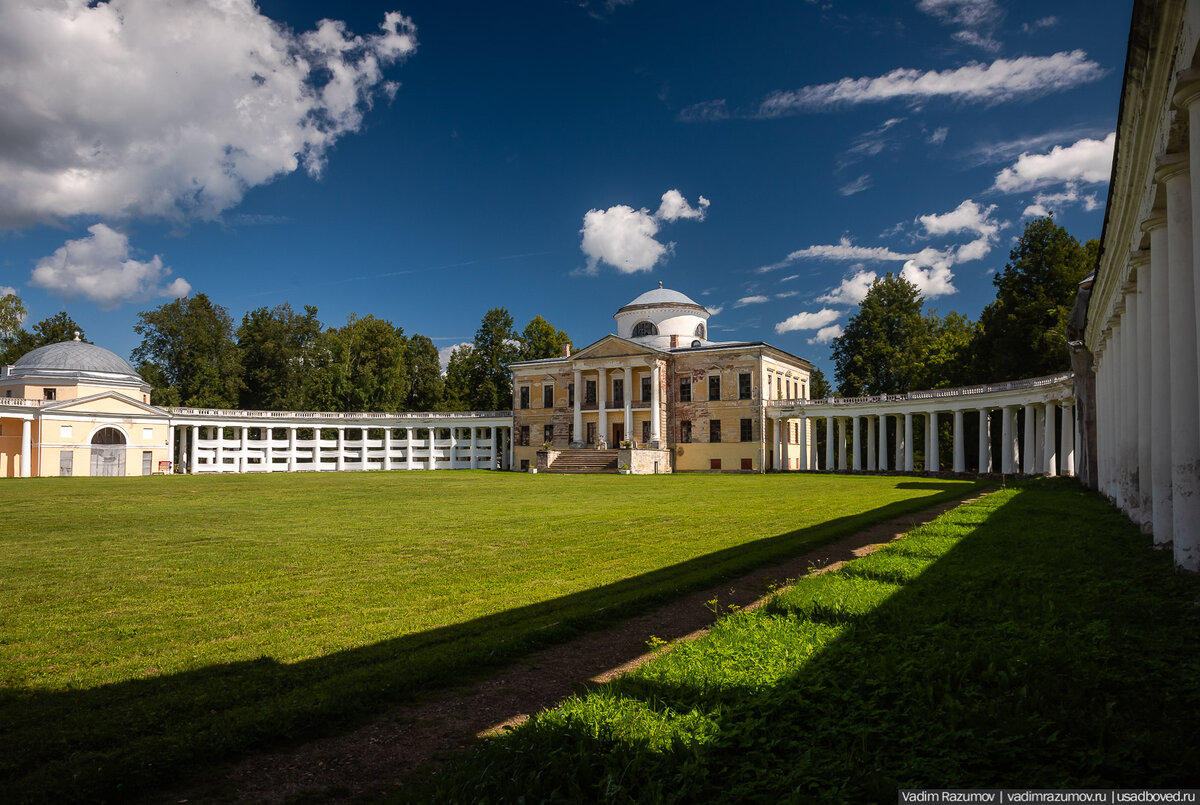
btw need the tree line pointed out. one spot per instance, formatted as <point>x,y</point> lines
<point>280,359</point>
<point>892,345</point>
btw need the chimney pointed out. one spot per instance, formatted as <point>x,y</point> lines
<point>674,341</point>
<point>566,350</point>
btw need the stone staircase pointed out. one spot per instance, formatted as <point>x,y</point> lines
<point>585,461</point>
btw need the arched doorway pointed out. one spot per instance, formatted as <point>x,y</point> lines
<point>108,452</point>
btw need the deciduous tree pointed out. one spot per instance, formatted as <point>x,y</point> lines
<point>495,347</point>
<point>540,339</point>
<point>188,355</point>
<point>426,388</point>
<point>881,349</point>
<point>279,349</point>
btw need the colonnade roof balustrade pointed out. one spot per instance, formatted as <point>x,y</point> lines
<point>989,395</point>
<point>180,415</point>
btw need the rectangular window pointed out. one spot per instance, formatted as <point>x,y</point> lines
<point>589,392</point>
<point>524,436</point>
<point>548,396</point>
<point>591,433</point>
<point>524,397</point>
<point>618,391</point>
<point>645,389</point>
<point>646,431</point>
<point>147,434</point>
<point>147,462</point>
<point>747,430</point>
<point>779,387</point>
<point>714,430</point>
<point>547,433</point>
<point>744,386</point>
<point>685,389</point>
<point>64,431</point>
<point>714,387</point>
<point>714,463</point>
<point>571,395</point>
<point>747,463</point>
<point>66,461</point>
<point>524,465</point>
<point>48,394</point>
<point>685,431</point>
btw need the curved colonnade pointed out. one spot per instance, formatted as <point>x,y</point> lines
<point>1024,426</point>
<point>218,440</point>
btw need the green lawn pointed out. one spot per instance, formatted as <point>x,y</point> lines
<point>1031,639</point>
<point>148,624</point>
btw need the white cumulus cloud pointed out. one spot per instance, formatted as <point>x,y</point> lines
<point>826,334</point>
<point>807,321</point>
<point>852,290</point>
<point>172,108</point>
<point>966,217</point>
<point>752,300</point>
<point>1085,160</point>
<point>1002,80</point>
<point>99,268</point>
<point>445,352</point>
<point>624,238</point>
<point>1047,203</point>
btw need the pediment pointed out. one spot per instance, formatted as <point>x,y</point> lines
<point>107,402</point>
<point>613,346</point>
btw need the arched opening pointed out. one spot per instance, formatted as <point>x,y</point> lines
<point>644,328</point>
<point>700,330</point>
<point>108,452</point>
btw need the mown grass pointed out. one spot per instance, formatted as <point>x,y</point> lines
<point>1032,639</point>
<point>150,624</point>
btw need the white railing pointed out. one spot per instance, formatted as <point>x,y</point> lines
<point>931,394</point>
<point>22,401</point>
<point>232,413</point>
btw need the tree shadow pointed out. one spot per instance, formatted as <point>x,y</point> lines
<point>114,741</point>
<point>1036,652</point>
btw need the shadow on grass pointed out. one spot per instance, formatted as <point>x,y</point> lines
<point>114,741</point>
<point>1049,647</point>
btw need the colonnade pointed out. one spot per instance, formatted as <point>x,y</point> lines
<point>216,443</point>
<point>1026,426</point>
<point>1140,336</point>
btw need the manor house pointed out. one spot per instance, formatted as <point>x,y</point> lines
<point>662,385</point>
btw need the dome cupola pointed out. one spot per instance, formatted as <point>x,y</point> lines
<point>657,315</point>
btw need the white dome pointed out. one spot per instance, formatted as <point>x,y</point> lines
<point>74,361</point>
<point>657,315</point>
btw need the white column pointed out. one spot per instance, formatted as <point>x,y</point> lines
<point>985,442</point>
<point>601,405</point>
<point>220,448</point>
<point>1160,382</point>
<point>779,426</point>
<point>655,403</point>
<point>578,410</point>
<point>1008,441</point>
<point>341,447</point>
<point>856,444</point>
<point>1185,426</point>
<point>870,443</point>
<point>194,446</point>
<point>1029,454</point>
<point>829,443</point>
<point>453,448</point>
<point>1050,440</point>
<point>628,405</point>
<point>931,441</point>
<point>387,448</point>
<point>1039,440</point>
<point>291,463</point>
<point>841,429</point>
<point>474,448</point>
<point>804,446</point>
<point>268,457</point>
<point>26,448</point>
<point>1129,405</point>
<point>883,443</point>
<point>960,451</point>
<point>898,457</point>
<point>1140,261</point>
<point>1068,437</point>
<point>171,446</point>
<point>909,461</point>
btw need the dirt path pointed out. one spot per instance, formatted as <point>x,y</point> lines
<point>374,757</point>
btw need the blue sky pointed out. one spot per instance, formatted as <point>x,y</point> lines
<point>425,161</point>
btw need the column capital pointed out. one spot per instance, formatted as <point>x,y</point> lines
<point>1171,166</point>
<point>1187,89</point>
<point>1157,220</point>
<point>1139,258</point>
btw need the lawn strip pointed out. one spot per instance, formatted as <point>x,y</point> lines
<point>1030,639</point>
